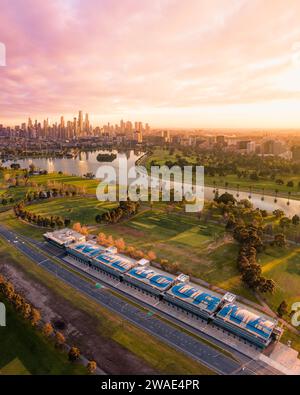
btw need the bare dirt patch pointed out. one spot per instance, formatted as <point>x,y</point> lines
<point>226,239</point>
<point>126,230</point>
<point>80,328</point>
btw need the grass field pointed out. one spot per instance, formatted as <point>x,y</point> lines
<point>25,351</point>
<point>9,219</point>
<point>267,184</point>
<point>78,209</point>
<point>153,352</point>
<point>89,185</point>
<point>201,249</point>
<point>283,266</point>
<point>160,156</point>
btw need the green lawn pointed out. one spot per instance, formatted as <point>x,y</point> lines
<point>267,184</point>
<point>78,209</point>
<point>199,248</point>
<point>23,350</point>
<point>89,185</point>
<point>283,266</point>
<point>154,352</point>
<point>10,221</point>
<point>160,156</point>
<point>14,367</point>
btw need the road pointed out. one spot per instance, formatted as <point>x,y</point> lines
<point>182,341</point>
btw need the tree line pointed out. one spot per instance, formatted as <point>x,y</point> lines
<point>249,236</point>
<point>33,316</point>
<point>124,210</point>
<point>39,220</point>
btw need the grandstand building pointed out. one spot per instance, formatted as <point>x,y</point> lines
<point>177,292</point>
<point>247,324</point>
<point>196,300</point>
<point>150,280</point>
<point>64,237</point>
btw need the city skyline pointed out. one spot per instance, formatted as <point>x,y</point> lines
<point>75,127</point>
<point>168,63</point>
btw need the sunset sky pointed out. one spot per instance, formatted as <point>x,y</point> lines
<point>172,63</point>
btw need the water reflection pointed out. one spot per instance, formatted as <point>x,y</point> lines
<point>87,163</point>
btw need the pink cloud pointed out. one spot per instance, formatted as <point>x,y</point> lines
<point>132,57</point>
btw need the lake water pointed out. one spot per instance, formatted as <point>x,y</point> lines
<point>86,162</point>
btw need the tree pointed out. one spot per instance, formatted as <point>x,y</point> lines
<point>101,239</point>
<point>80,229</point>
<point>84,231</point>
<point>251,276</point>
<point>47,329</point>
<point>98,218</point>
<point>110,241</point>
<point>266,285</point>
<point>67,222</point>
<point>296,220</point>
<point>35,316</point>
<point>120,244</point>
<point>282,309</point>
<point>31,168</point>
<point>278,213</point>
<point>74,354</point>
<point>91,366</point>
<point>60,339</point>
<point>243,263</point>
<point>254,176</point>
<point>284,222</point>
<point>151,255</point>
<point>77,227</point>
<point>26,310</point>
<point>290,184</point>
<point>226,199</point>
<point>279,240</point>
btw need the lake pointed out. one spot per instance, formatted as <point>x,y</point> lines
<point>83,163</point>
<point>86,162</point>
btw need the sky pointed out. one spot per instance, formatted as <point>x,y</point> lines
<point>172,63</point>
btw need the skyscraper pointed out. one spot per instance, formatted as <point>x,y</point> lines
<point>62,122</point>
<point>86,124</point>
<point>75,127</point>
<point>80,123</point>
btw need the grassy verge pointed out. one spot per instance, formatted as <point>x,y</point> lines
<point>293,337</point>
<point>77,209</point>
<point>153,352</point>
<point>25,351</point>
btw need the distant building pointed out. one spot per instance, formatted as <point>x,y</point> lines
<point>296,153</point>
<point>138,136</point>
<point>273,147</point>
<point>220,140</point>
<point>247,146</point>
<point>64,237</point>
